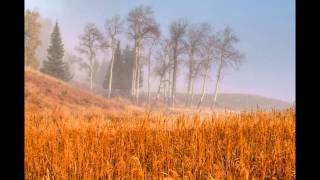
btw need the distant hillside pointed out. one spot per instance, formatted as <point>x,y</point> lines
<point>247,102</point>
<point>42,91</point>
<point>235,102</point>
<point>45,92</point>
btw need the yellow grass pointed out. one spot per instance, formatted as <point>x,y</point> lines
<point>91,145</point>
<point>90,137</point>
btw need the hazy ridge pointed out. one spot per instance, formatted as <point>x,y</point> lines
<point>42,85</point>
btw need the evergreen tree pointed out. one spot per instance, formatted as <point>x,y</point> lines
<point>122,70</point>
<point>54,64</point>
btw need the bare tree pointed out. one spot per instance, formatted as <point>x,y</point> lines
<point>114,27</point>
<point>227,55</point>
<point>168,84</point>
<point>208,56</point>
<point>177,32</point>
<point>152,43</point>
<point>195,35</point>
<point>141,25</point>
<point>90,43</point>
<point>162,64</point>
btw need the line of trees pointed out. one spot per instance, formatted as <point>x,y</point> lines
<point>193,45</point>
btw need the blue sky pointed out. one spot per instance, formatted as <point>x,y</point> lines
<point>266,30</point>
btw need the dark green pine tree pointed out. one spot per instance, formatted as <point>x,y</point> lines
<point>122,70</point>
<point>128,59</point>
<point>54,65</point>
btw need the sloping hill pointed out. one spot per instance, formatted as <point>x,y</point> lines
<point>248,101</point>
<point>232,101</point>
<point>45,92</point>
<point>240,102</point>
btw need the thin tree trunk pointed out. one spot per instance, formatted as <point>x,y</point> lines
<point>174,77</point>
<point>203,88</point>
<point>137,82</point>
<point>91,78</point>
<point>134,72</point>
<point>91,65</point>
<point>188,90</point>
<point>149,67</point>
<point>189,80</point>
<point>169,85</point>
<point>133,82</point>
<point>111,73</point>
<point>191,98</point>
<point>91,73</point>
<point>217,87</point>
<point>165,91</point>
<point>159,88</point>
<point>138,76</point>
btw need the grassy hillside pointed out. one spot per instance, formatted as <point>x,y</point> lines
<point>74,134</point>
<point>44,92</point>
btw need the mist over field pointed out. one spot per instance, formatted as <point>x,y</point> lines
<point>268,44</point>
<point>159,89</point>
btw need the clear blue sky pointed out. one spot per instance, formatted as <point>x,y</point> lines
<point>266,30</point>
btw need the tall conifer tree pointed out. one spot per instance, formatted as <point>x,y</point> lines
<point>54,64</point>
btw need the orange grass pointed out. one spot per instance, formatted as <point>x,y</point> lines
<point>252,145</point>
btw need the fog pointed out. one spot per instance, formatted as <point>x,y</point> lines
<point>250,78</point>
<point>81,76</point>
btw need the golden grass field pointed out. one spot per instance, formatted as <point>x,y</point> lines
<point>73,143</point>
<point>253,145</point>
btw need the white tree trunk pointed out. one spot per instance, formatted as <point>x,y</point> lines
<point>190,66</point>
<point>165,91</point>
<point>215,93</point>
<point>138,76</point>
<point>169,85</point>
<point>159,88</point>
<point>149,69</point>
<point>191,96</point>
<point>111,73</point>
<point>138,83</point>
<point>134,72</point>
<point>91,73</point>
<point>91,78</point>
<point>174,77</point>
<point>188,91</point>
<point>133,82</point>
<point>217,87</point>
<point>203,88</point>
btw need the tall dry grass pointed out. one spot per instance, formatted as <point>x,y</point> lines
<point>253,145</point>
